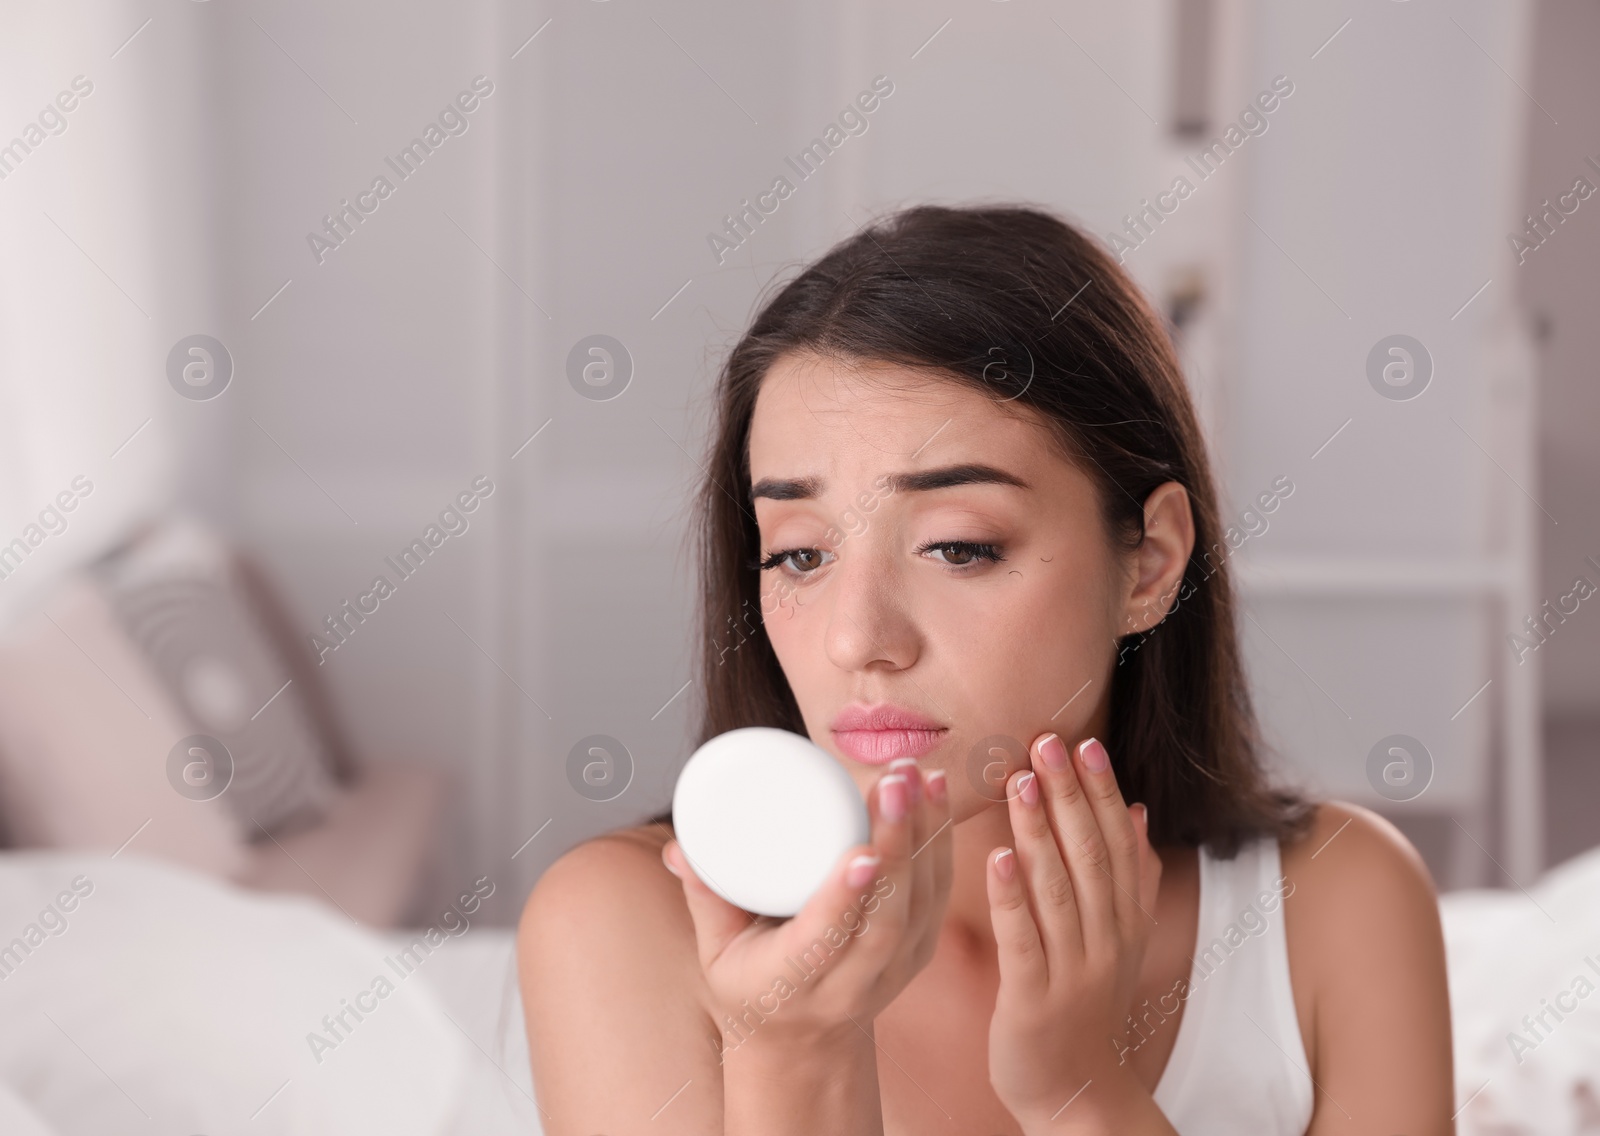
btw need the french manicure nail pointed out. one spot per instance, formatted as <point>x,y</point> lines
<point>1053,752</point>
<point>907,766</point>
<point>936,787</point>
<point>893,796</point>
<point>1006,863</point>
<point>861,868</point>
<point>1028,788</point>
<point>1095,758</point>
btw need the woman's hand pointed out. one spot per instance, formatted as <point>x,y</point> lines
<point>1071,909</point>
<point>828,971</point>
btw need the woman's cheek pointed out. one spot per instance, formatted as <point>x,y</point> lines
<point>1058,628</point>
<point>779,598</point>
<point>788,630</point>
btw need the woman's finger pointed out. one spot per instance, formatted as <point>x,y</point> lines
<point>935,869</point>
<point>921,879</point>
<point>1024,971</point>
<point>889,807</point>
<point>1084,848</point>
<point>1050,886</point>
<point>940,848</point>
<point>1149,864</point>
<point>716,921</point>
<point>1120,839</point>
<point>836,916</point>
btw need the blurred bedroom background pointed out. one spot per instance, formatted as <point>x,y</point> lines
<point>354,368</point>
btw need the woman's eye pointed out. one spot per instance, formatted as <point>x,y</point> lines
<point>799,560</point>
<point>951,553</point>
<point>963,553</point>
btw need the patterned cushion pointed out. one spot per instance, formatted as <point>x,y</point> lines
<point>87,730</point>
<point>180,595</point>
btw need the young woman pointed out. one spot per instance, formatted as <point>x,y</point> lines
<point>959,528</point>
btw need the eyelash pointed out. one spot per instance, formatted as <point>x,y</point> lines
<point>982,551</point>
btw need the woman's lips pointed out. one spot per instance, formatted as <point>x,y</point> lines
<point>876,735</point>
<point>879,747</point>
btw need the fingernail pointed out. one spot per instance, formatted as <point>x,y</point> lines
<point>1028,788</point>
<point>668,862</point>
<point>907,766</point>
<point>1053,752</point>
<point>1095,758</point>
<point>893,796</point>
<point>1006,863</point>
<point>861,869</point>
<point>936,787</point>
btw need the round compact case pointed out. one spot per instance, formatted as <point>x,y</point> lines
<point>763,815</point>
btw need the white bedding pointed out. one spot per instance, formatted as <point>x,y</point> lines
<point>1511,954</point>
<point>140,997</point>
<point>475,979</point>
<point>167,995</point>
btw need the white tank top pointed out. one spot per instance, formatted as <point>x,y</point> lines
<point>1238,1064</point>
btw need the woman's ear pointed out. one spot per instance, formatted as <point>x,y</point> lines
<point>1159,562</point>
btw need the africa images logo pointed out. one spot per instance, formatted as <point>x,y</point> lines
<point>199,367</point>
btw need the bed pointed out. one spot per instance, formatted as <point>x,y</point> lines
<point>135,990</point>
<point>143,991</point>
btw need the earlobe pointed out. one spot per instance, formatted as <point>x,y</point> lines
<point>1161,557</point>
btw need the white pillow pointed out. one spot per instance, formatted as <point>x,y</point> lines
<point>132,988</point>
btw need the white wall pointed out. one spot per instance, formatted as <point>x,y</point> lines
<point>369,389</point>
<point>110,219</point>
<point>1379,207</point>
<point>1560,279</point>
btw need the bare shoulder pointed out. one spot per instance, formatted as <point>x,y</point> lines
<point>1357,892</point>
<point>1366,953</point>
<point>611,900</point>
<point>610,980</point>
<point>626,849</point>
<point>1351,857</point>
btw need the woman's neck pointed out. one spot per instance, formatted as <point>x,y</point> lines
<point>967,916</point>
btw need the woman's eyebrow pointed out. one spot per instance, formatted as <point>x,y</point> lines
<point>968,473</point>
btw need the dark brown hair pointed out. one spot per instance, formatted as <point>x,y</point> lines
<point>1016,302</point>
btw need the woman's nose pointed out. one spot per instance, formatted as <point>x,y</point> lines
<point>868,620</point>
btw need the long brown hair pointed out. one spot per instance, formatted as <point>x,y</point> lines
<point>1018,303</point>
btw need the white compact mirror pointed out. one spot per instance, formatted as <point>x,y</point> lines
<point>763,815</point>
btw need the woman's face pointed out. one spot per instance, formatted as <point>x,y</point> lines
<point>944,561</point>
